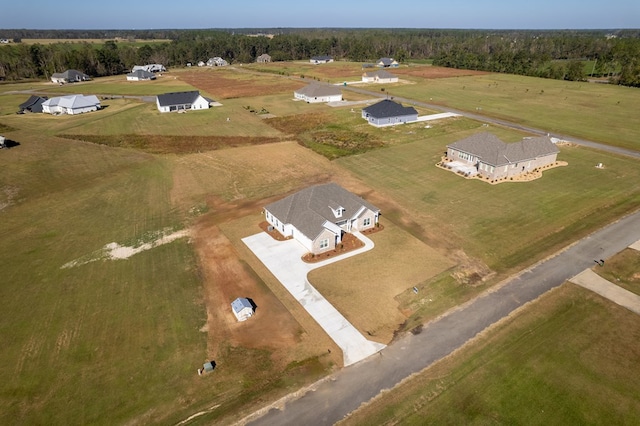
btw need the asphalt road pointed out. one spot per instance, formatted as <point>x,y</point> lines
<point>347,389</point>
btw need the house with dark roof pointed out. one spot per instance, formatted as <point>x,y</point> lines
<point>33,104</point>
<point>387,62</point>
<point>324,59</point>
<point>181,101</point>
<point>141,75</point>
<point>71,104</point>
<point>242,308</point>
<point>389,113</point>
<point>69,76</point>
<point>380,76</point>
<point>264,58</point>
<point>318,216</point>
<point>315,93</point>
<point>489,157</point>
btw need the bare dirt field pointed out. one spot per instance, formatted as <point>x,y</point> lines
<point>435,72</point>
<point>225,278</point>
<point>221,86</point>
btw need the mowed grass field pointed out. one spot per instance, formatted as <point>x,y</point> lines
<point>568,358</point>
<point>598,112</point>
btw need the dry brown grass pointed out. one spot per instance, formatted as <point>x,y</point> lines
<point>431,72</point>
<point>224,85</point>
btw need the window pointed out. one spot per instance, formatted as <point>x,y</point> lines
<point>324,243</point>
<point>366,221</point>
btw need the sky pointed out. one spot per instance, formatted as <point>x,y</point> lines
<point>476,14</point>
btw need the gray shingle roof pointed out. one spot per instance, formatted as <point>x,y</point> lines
<point>178,98</point>
<point>388,108</point>
<point>493,151</point>
<point>321,58</point>
<point>315,90</point>
<point>33,104</point>
<point>143,74</point>
<point>380,74</point>
<point>71,75</point>
<point>386,61</point>
<point>309,208</point>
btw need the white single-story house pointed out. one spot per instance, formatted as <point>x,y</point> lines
<point>69,76</point>
<point>389,113</point>
<point>216,62</point>
<point>493,159</point>
<point>242,308</point>
<point>140,75</point>
<point>387,62</point>
<point>149,68</point>
<point>321,59</point>
<point>71,104</point>
<point>264,58</point>
<point>177,101</point>
<point>318,216</point>
<point>316,93</point>
<point>201,63</point>
<point>380,76</point>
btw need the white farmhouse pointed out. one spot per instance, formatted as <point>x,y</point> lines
<point>316,93</point>
<point>71,104</point>
<point>178,101</point>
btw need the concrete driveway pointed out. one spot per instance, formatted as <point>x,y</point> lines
<point>284,260</point>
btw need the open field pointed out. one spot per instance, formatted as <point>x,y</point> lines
<point>119,86</point>
<point>224,83</point>
<point>334,72</point>
<point>568,358</point>
<point>598,112</point>
<point>623,270</point>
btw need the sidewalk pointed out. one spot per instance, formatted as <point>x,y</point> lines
<point>594,282</point>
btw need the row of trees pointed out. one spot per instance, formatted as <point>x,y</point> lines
<point>551,54</point>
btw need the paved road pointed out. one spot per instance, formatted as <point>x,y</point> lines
<point>347,389</point>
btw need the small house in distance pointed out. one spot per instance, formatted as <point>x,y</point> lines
<point>182,101</point>
<point>242,308</point>
<point>264,58</point>
<point>321,59</point>
<point>316,93</point>
<point>217,62</point>
<point>380,76</point>
<point>149,68</point>
<point>389,113</point>
<point>140,75</point>
<point>387,62</point>
<point>69,76</point>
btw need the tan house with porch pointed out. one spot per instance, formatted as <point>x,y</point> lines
<point>487,156</point>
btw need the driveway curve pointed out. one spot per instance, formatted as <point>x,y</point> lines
<point>284,260</point>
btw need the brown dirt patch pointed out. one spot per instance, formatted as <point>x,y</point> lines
<point>226,277</point>
<point>430,72</point>
<point>220,86</point>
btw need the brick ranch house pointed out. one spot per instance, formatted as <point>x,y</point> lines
<point>486,155</point>
<point>317,217</point>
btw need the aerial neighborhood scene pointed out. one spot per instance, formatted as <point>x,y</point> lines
<point>232,215</point>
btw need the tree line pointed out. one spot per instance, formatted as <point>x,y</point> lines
<point>550,54</point>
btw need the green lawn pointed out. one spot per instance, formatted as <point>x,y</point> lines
<point>599,112</point>
<point>570,358</point>
<point>106,341</point>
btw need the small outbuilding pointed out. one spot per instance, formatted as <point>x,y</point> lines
<point>242,308</point>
